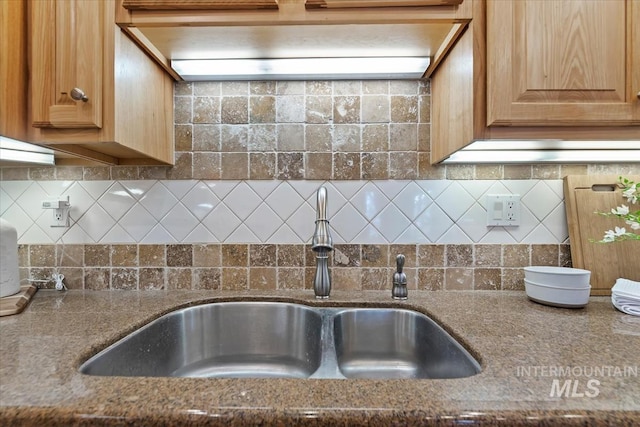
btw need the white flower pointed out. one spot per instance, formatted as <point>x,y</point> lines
<point>631,194</point>
<point>620,231</point>
<point>621,210</point>
<point>609,236</point>
<point>634,225</point>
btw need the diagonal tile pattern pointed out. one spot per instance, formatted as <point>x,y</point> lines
<point>283,212</point>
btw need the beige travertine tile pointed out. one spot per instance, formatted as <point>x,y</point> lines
<point>318,166</point>
<point>487,279</point>
<point>375,137</point>
<point>14,174</point>
<point>206,109</point>
<point>183,137</point>
<point>431,256</point>
<point>73,277</point>
<point>517,171</point>
<point>125,279</point>
<point>234,137</point>
<point>262,109</point>
<point>68,173</point>
<point>346,255</point>
<point>488,255</point>
<point>234,165</point>
<point>409,252</point>
<point>96,173</point>
<point>375,255</point>
<point>573,170</point>
<point>424,137</point>
<point>182,109</point>
<point>373,87</point>
<point>124,255</point>
<point>182,168</point>
<point>153,172</point>
<point>23,255</point>
<point>513,279</point>
<point>318,138</point>
<point>262,255</point>
<point>235,278</point>
<point>459,255</point>
<point>346,279</point>
<point>179,278</point>
<point>291,277</point>
<point>431,279</point>
<point>179,255</point>
<point>262,278</point>
<point>208,255</point>
<point>517,255</point>
<point>425,109</point>
<point>374,279</point>
<point>404,87</point>
<point>460,171</point>
<point>319,109</point>
<point>204,89</point>
<point>290,87</point>
<point>262,88</point>
<point>544,255</point>
<point>95,256</point>
<point>290,166</point>
<point>290,137</point>
<point>235,255</point>
<point>262,165</point>
<point>458,278</point>
<point>489,171</point>
<point>346,165</point>
<point>234,88</point>
<point>97,278</point>
<point>185,88</point>
<point>403,137</point>
<point>234,109</point>
<point>151,256</point>
<point>68,255</point>
<point>290,108</point>
<point>404,109</point>
<point>346,138</point>
<point>291,255</point>
<point>263,137</point>
<point>375,109</point>
<point>126,173</point>
<point>206,138</point>
<point>150,278</point>
<point>318,87</point>
<point>207,278</point>
<point>347,87</point>
<point>206,165</point>
<point>565,256</point>
<point>375,165</point>
<point>428,171</point>
<point>403,165</point>
<point>545,171</point>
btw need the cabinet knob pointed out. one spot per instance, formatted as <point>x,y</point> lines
<point>638,95</point>
<point>79,95</point>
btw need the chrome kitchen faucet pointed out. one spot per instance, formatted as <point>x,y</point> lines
<point>322,244</point>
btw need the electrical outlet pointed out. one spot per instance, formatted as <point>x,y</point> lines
<point>503,209</point>
<point>60,210</point>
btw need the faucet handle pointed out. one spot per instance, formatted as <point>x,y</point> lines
<point>399,263</point>
<point>399,290</point>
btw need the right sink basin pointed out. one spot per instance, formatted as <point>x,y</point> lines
<point>392,343</point>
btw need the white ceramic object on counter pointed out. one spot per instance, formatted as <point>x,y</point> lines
<point>558,276</point>
<point>9,275</point>
<point>557,296</point>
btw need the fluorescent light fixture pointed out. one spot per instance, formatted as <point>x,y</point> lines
<point>18,153</point>
<point>546,151</point>
<point>302,68</point>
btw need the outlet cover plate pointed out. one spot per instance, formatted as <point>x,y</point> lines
<point>503,210</point>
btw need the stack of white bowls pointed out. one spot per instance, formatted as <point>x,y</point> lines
<point>557,286</point>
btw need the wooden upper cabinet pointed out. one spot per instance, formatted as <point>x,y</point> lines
<point>94,94</point>
<point>69,91</point>
<point>563,62</point>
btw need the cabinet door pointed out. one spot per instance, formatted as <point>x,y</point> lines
<point>563,62</point>
<point>67,58</point>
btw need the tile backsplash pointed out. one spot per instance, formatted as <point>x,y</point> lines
<point>237,209</point>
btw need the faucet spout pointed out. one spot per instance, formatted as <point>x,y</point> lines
<point>322,244</point>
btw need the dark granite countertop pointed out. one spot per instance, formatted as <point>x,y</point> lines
<point>523,348</point>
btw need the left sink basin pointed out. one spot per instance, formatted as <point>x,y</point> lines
<point>219,340</point>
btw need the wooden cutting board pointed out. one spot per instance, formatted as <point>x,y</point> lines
<point>584,195</point>
<point>14,304</point>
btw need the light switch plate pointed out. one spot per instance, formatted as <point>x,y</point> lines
<point>503,210</point>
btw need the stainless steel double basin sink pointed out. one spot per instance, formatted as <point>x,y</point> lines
<point>250,339</point>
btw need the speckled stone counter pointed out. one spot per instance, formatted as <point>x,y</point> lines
<point>525,349</point>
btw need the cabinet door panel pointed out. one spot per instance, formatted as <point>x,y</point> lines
<point>560,62</point>
<point>69,57</point>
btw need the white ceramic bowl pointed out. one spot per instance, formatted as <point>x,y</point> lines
<point>558,276</point>
<point>569,297</point>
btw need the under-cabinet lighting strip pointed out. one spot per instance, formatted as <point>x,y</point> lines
<point>301,68</point>
<point>14,151</point>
